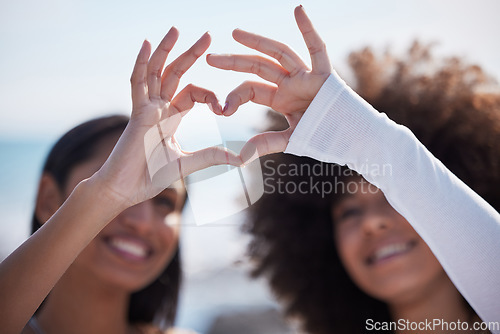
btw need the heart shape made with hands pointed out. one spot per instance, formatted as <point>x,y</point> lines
<point>166,159</point>
<point>291,86</point>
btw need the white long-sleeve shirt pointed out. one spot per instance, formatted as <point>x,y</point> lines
<point>461,228</point>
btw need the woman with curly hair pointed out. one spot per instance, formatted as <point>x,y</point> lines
<point>339,252</point>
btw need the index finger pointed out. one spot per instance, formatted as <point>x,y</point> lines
<point>317,48</point>
<point>279,51</point>
<point>174,71</point>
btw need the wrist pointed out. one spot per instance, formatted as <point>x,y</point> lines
<point>317,118</point>
<point>100,194</point>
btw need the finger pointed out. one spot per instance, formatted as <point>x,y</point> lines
<point>157,61</point>
<point>174,71</point>
<point>138,78</point>
<point>279,51</point>
<point>265,143</point>
<point>256,92</point>
<point>317,48</point>
<point>263,67</point>
<point>187,97</point>
<point>211,156</point>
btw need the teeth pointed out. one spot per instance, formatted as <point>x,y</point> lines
<point>390,250</point>
<point>129,247</point>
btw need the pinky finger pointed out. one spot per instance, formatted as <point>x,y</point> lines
<point>257,92</point>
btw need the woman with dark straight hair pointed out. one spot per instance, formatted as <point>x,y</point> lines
<point>158,300</point>
<point>104,254</point>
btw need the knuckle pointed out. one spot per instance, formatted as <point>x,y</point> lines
<point>133,78</point>
<point>246,84</point>
<point>135,82</point>
<point>194,52</point>
<point>251,94</point>
<point>255,67</point>
<point>155,73</point>
<point>314,49</point>
<point>258,44</point>
<point>197,54</point>
<point>178,72</point>
<point>166,96</point>
<point>281,77</point>
<point>279,54</point>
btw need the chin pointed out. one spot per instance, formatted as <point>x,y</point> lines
<point>405,287</point>
<point>129,282</point>
<point>403,291</point>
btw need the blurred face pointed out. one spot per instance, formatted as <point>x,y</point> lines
<point>135,247</point>
<point>380,250</point>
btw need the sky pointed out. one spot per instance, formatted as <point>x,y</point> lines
<point>65,61</point>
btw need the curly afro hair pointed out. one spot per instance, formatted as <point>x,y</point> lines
<point>452,108</point>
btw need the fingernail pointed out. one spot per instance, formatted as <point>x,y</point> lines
<point>225,107</point>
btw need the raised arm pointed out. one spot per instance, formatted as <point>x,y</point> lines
<point>145,160</point>
<point>340,127</point>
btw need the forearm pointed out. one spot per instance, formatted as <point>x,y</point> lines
<point>30,272</point>
<point>460,227</point>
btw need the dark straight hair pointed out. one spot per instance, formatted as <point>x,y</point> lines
<point>157,302</point>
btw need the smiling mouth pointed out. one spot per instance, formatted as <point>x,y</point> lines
<point>129,249</point>
<point>390,251</point>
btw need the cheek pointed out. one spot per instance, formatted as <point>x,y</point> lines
<point>425,263</point>
<point>348,243</point>
<point>168,233</point>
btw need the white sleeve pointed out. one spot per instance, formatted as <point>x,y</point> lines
<point>461,228</point>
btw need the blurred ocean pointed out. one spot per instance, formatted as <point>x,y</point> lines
<point>20,165</point>
<point>217,293</point>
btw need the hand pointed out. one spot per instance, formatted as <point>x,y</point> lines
<point>147,158</point>
<point>295,85</point>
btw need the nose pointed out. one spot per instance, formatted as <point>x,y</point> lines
<point>376,222</point>
<point>139,217</point>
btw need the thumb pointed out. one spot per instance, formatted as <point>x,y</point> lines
<point>191,162</point>
<point>264,144</point>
